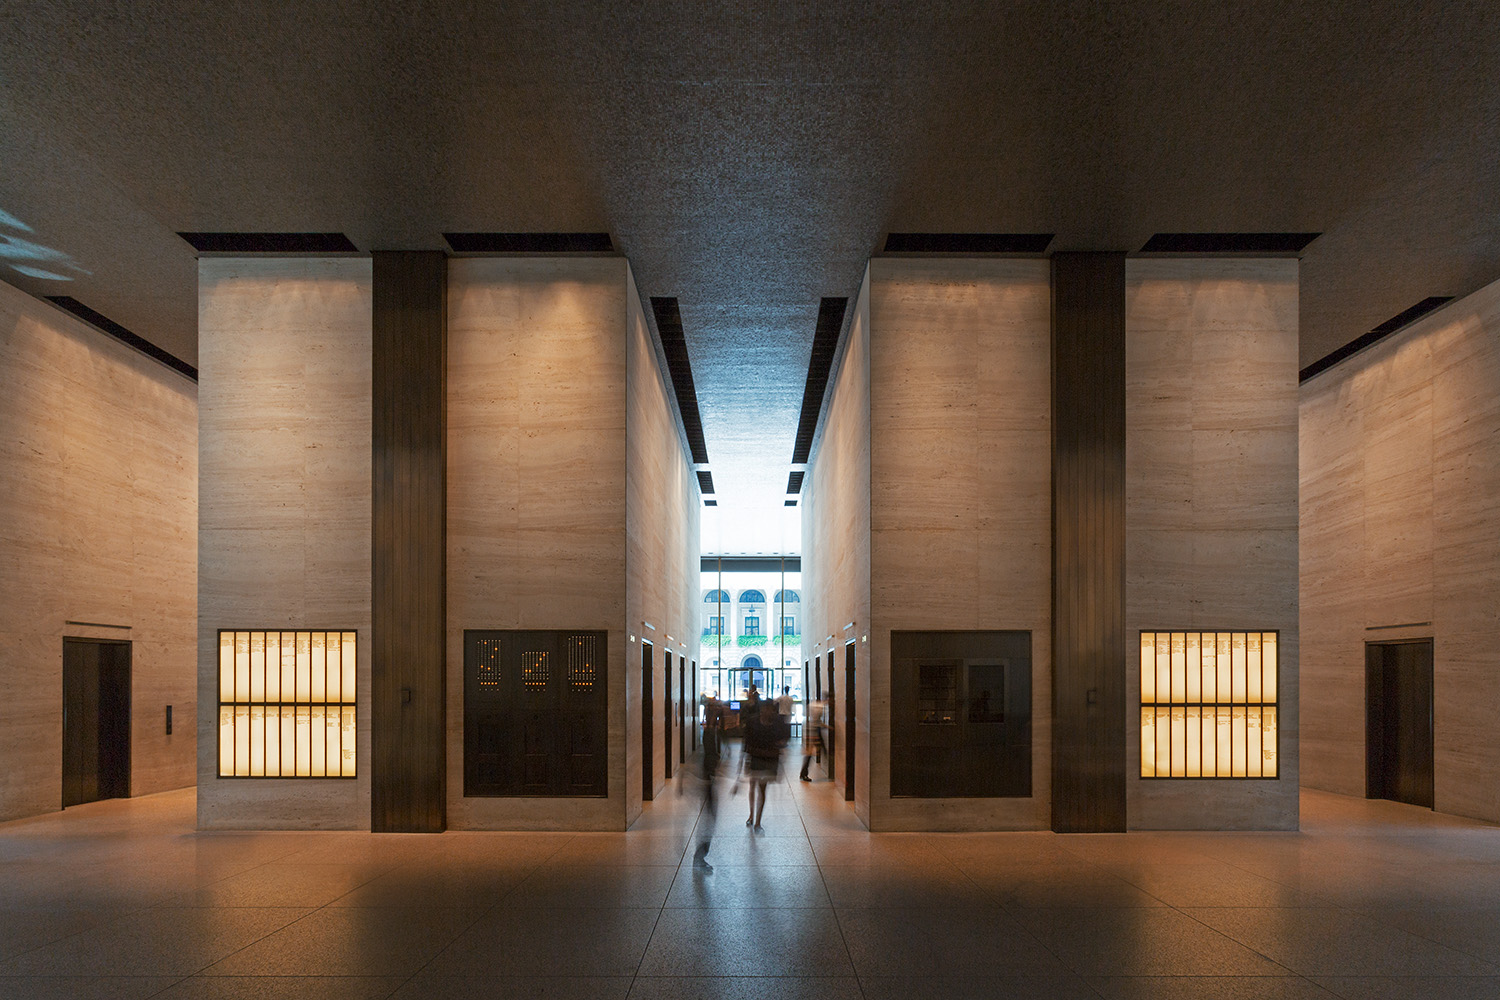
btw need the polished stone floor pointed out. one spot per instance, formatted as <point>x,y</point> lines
<point>1372,899</point>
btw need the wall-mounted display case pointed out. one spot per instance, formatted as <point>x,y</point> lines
<point>1208,704</point>
<point>961,714</point>
<point>287,704</point>
<point>536,717</point>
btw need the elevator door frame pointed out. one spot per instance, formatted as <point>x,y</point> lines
<point>1382,779</point>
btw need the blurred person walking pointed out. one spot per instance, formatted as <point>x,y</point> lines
<point>765,736</point>
<point>812,736</point>
<point>713,735</point>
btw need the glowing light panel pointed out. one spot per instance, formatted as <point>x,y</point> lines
<point>1208,704</point>
<point>287,704</point>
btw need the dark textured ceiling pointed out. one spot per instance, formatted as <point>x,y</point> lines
<point>748,158</point>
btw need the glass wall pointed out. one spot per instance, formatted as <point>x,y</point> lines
<point>751,629</point>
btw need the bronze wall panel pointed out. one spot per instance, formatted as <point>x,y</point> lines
<point>1088,542</point>
<point>408,544</point>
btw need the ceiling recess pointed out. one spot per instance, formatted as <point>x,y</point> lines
<point>1390,326</point>
<point>794,482</point>
<point>1031,243</point>
<point>283,243</point>
<point>705,481</point>
<point>674,345</point>
<point>1229,242</point>
<point>825,341</point>
<point>530,242</point>
<point>106,325</point>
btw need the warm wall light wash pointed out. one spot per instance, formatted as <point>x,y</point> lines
<point>287,704</point>
<point>1208,704</point>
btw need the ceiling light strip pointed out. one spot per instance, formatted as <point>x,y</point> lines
<point>674,345</point>
<point>106,325</point>
<point>530,242</point>
<point>969,243</point>
<point>1384,330</point>
<point>275,243</point>
<point>1246,243</point>
<point>825,341</point>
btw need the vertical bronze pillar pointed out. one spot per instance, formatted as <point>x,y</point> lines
<point>408,543</point>
<point>1088,542</point>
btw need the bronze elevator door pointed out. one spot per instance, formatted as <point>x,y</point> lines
<point>1398,724</point>
<point>96,721</point>
<point>666,715</point>
<point>648,722</point>
<point>849,722</point>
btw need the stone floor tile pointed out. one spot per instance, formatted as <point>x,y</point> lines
<point>746,942</point>
<point>349,941</point>
<point>1331,942</point>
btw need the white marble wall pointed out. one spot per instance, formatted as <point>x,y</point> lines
<point>283,499</point>
<point>1211,499</point>
<point>1399,474</point>
<point>836,541</point>
<point>960,507</point>
<point>98,460</point>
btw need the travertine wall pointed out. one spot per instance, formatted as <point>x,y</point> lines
<point>662,575</point>
<point>945,380</point>
<point>836,540</point>
<point>536,488</point>
<point>1400,472</point>
<point>98,457</point>
<point>960,508</point>
<point>571,499</point>
<point>284,499</point>
<point>554,392</point>
<point>1211,500</point>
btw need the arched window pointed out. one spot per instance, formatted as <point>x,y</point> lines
<point>787,597</point>
<point>751,662</point>
<point>752,597</point>
<point>716,597</point>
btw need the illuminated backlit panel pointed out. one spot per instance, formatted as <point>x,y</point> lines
<point>287,704</point>
<point>1208,704</point>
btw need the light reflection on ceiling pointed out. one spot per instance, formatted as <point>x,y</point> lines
<point>14,248</point>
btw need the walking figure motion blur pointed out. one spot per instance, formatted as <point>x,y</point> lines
<point>713,730</point>
<point>765,735</point>
<point>812,736</point>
